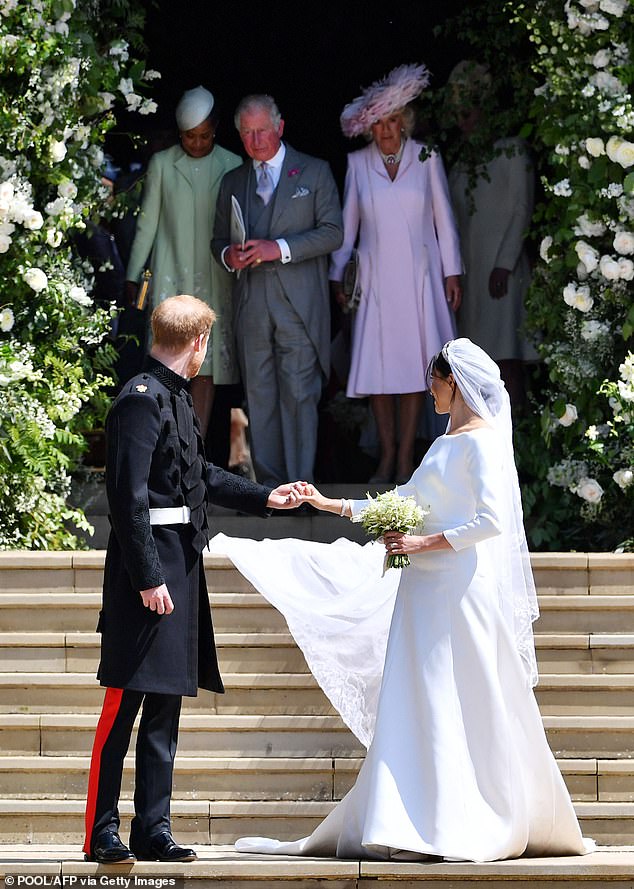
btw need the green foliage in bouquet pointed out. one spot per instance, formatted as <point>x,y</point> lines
<point>64,65</point>
<point>391,512</point>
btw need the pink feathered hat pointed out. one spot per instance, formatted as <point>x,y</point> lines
<point>383,97</point>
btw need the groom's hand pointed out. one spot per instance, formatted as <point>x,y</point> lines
<point>288,496</point>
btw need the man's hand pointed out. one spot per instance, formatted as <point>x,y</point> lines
<point>157,598</point>
<point>253,253</point>
<point>498,282</point>
<point>288,496</point>
<point>453,291</point>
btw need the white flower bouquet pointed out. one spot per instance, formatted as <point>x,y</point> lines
<point>391,512</point>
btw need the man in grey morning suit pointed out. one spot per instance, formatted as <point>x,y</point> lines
<point>292,218</point>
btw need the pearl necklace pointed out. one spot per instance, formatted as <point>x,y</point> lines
<point>393,159</point>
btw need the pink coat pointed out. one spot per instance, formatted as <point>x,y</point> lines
<point>408,244</point>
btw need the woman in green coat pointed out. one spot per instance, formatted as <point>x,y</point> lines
<point>174,229</point>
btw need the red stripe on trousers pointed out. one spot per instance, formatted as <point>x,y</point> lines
<point>109,712</point>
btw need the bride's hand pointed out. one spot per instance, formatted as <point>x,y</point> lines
<point>397,543</point>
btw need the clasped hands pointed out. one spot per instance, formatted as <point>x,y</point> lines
<point>254,252</point>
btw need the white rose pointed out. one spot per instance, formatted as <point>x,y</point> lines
<point>5,243</point>
<point>608,83</point>
<point>55,208</point>
<point>612,146</point>
<point>7,228</point>
<point>614,7</point>
<point>569,415</point>
<point>20,209</point>
<point>588,255</point>
<point>67,189</point>
<point>625,154</point>
<point>584,162</point>
<point>624,242</point>
<point>588,227</point>
<point>609,268</point>
<point>36,279</point>
<point>601,58</point>
<point>34,220</point>
<point>626,269</point>
<point>80,296</point>
<point>623,478</point>
<point>589,489</point>
<point>544,247</point>
<point>53,237</point>
<point>58,151</point>
<point>7,319</point>
<point>595,146</point>
<point>582,272</point>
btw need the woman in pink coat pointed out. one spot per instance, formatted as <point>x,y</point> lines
<point>398,213</point>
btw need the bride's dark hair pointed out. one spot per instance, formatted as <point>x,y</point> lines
<point>439,363</point>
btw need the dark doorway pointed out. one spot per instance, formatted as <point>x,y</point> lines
<point>312,57</point>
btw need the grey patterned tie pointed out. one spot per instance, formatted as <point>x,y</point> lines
<point>265,183</point>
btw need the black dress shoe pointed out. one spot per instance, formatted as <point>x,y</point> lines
<point>108,849</point>
<point>163,848</point>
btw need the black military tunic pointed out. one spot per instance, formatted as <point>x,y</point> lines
<point>155,459</point>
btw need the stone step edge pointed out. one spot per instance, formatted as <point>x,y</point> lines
<point>274,722</point>
<point>282,638</point>
<point>278,765</point>
<point>223,864</point>
<point>564,682</point>
<point>253,599</point>
<point>258,808</point>
<point>95,558</point>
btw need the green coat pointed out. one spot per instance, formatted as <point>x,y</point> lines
<point>174,230</point>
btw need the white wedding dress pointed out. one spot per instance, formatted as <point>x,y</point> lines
<point>458,765</point>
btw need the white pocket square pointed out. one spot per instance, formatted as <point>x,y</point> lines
<point>300,192</point>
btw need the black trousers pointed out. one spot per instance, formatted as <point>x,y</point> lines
<point>154,764</point>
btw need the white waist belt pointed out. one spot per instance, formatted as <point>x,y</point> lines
<point>171,515</point>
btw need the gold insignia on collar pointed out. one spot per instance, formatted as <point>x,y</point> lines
<point>141,388</point>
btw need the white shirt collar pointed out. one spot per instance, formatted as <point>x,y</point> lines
<point>276,161</point>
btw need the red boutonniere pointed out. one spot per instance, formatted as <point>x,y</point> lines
<point>294,171</point>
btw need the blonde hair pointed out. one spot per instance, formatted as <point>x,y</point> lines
<point>180,319</point>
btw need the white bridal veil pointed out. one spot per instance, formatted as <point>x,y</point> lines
<point>478,378</point>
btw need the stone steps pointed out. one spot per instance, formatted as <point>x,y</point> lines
<point>270,778</point>
<point>297,694</point>
<point>220,822</point>
<point>247,611</point>
<point>56,734</point>
<point>270,756</point>
<point>220,867</point>
<point>273,650</point>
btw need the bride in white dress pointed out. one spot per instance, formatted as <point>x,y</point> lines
<point>458,765</point>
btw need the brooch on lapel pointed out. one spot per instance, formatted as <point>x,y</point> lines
<point>294,172</point>
<point>300,192</point>
<point>141,388</point>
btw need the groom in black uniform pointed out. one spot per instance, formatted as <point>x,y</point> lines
<point>157,640</point>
